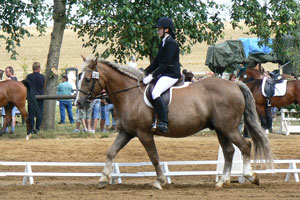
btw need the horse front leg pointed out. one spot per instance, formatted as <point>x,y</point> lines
<point>147,140</point>
<point>121,140</point>
<point>7,119</point>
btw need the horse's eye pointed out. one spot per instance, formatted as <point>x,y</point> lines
<point>87,79</point>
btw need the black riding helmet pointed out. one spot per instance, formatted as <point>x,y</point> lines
<point>165,22</point>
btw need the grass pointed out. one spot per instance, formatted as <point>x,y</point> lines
<point>60,130</point>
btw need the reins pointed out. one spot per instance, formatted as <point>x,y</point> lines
<point>104,95</point>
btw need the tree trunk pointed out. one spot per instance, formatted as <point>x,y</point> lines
<point>59,17</point>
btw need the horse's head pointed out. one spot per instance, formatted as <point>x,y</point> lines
<point>90,83</point>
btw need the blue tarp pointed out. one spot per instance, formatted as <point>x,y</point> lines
<point>251,46</point>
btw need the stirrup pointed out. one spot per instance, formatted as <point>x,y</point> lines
<point>163,127</point>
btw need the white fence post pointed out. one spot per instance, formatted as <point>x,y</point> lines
<point>237,163</point>
<point>166,170</point>
<point>28,170</point>
<point>292,166</point>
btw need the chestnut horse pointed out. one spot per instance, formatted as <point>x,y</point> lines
<point>292,93</point>
<point>214,103</point>
<point>14,93</point>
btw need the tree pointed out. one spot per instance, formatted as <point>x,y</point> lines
<point>127,26</point>
<point>274,18</point>
<point>15,16</point>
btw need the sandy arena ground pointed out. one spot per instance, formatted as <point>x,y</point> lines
<point>94,150</point>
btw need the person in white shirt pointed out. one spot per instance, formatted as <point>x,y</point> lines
<point>132,63</point>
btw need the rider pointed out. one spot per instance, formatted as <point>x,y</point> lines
<point>165,69</point>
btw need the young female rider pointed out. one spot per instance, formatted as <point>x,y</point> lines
<point>165,68</point>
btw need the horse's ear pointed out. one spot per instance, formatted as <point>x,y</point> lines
<point>83,58</point>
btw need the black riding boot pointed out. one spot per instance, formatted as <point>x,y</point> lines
<point>162,113</point>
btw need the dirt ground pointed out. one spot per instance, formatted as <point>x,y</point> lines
<point>94,150</point>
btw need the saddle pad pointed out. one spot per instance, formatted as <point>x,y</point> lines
<point>280,88</point>
<point>147,102</point>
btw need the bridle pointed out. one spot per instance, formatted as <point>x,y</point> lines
<point>95,78</point>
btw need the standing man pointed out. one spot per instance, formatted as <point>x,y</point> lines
<point>65,88</point>
<point>38,80</point>
<point>9,72</point>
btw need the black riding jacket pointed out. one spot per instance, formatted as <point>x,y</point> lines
<point>166,63</point>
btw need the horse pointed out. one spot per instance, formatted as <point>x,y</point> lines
<point>253,80</point>
<point>292,95</point>
<point>251,74</point>
<point>200,105</point>
<point>14,93</point>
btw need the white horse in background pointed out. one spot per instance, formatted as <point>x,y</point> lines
<point>72,80</point>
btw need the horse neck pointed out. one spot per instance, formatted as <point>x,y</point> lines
<point>255,73</point>
<point>116,81</point>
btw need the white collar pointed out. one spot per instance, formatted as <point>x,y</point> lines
<point>164,39</point>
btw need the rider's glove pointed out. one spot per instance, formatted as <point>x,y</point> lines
<point>147,79</point>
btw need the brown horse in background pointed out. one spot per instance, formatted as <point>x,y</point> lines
<point>14,93</point>
<point>292,96</point>
<point>213,102</point>
<point>253,80</point>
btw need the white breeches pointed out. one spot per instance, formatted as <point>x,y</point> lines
<point>162,85</point>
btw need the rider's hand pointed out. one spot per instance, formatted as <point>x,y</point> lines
<point>147,79</point>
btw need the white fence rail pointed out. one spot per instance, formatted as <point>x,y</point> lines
<point>117,175</point>
<point>286,125</point>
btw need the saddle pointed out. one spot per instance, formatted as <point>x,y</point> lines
<point>270,86</point>
<point>166,95</point>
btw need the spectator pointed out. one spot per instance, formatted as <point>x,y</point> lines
<point>85,115</point>
<point>78,122</point>
<point>132,63</point>
<point>189,76</point>
<point>38,80</point>
<point>96,115</point>
<point>65,88</point>
<point>109,109</point>
<point>9,72</point>
<point>102,111</point>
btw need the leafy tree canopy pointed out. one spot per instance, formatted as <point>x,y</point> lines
<point>274,19</point>
<point>15,16</point>
<point>127,26</point>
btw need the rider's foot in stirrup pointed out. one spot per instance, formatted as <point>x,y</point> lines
<point>163,127</point>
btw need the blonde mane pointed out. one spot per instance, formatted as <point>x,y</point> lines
<point>128,71</point>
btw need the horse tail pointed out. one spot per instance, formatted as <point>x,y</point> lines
<point>260,140</point>
<point>33,106</point>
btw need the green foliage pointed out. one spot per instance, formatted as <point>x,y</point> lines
<point>294,107</point>
<point>127,26</point>
<point>14,16</point>
<point>275,18</point>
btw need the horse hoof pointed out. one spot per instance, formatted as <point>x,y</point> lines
<point>253,179</point>
<point>28,137</point>
<point>222,184</point>
<point>102,185</point>
<point>157,185</point>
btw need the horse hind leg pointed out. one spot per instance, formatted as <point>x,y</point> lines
<point>245,147</point>
<point>121,140</point>
<point>228,151</point>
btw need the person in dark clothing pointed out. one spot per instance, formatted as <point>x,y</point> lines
<point>38,80</point>
<point>165,69</point>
